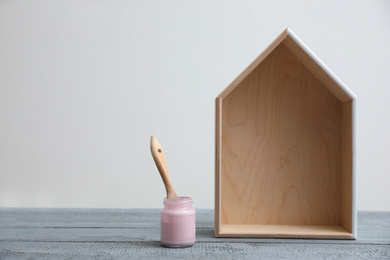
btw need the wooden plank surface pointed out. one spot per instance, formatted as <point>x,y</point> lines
<point>134,234</point>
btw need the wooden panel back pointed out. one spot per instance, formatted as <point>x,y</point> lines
<point>347,151</point>
<point>280,147</point>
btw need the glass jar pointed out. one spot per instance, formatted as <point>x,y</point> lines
<point>178,223</point>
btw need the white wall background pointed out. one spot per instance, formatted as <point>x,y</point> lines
<point>84,84</point>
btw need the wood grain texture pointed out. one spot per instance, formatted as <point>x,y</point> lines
<point>319,70</point>
<point>286,231</point>
<point>217,181</point>
<point>347,181</point>
<point>134,234</point>
<point>161,164</point>
<point>285,147</point>
<point>281,134</point>
<point>254,64</point>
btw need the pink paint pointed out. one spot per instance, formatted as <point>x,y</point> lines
<point>178,223</point>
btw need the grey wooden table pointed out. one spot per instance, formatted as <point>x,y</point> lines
<point>134,234</point>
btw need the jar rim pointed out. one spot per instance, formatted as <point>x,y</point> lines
<point>180,198</point>
<point>180,201</point>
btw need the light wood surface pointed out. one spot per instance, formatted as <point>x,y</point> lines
<point>293,231</point>
<point>284,148</point>
<point>254,64</point>
<point>159,159</point>
<point>135,234</point>
<point>348,220</point>
<point>281,154</point>
<point>319,70</point>
<point>218,165</point>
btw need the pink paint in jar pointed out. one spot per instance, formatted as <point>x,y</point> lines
<point>178,223</point>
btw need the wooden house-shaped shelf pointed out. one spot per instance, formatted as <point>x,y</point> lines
<point>285,149</point>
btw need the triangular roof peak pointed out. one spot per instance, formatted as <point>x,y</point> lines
<point>306,57</point>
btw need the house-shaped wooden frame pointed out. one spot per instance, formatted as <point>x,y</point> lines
<point>285,149</point>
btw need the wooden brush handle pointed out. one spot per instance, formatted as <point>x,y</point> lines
<point>159,159</point>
